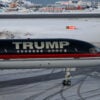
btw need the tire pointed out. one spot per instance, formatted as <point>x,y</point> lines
<point>66,82</point>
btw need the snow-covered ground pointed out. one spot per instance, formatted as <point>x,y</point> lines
<point>46,84</point>
<point>86,29</point>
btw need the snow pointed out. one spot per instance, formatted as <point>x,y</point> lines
<point>87,29</point>
<point>53,90</point>
<point>18,74</point>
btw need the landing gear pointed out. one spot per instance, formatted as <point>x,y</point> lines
<point>67,81</point>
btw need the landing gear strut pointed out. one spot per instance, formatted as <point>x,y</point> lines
<point>67,80</point>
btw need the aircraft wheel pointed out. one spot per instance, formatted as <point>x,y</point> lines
<point>66,82</point>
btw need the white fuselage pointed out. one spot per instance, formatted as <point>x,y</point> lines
<point>49,63</point>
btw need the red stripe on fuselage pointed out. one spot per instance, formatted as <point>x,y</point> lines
<point>26,56</point>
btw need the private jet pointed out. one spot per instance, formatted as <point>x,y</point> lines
<point>48,53</point>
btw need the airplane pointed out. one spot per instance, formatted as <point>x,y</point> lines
<point>48,53</point>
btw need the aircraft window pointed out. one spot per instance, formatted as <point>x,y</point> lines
<point>76,50</point>
<point>41,51</point>
<point>49,51</point>
<point>21,51</point>
<point>5,50</point>
<point>18,51</point>
<point>32,51</point>
<point>65,50</point>
<point>57,50</point>
<point>37,51</point>
<point>52,51</point>
<point>61,50</point>
<point>25,51</point>
<point>93,50</point>
<point>97,49</point>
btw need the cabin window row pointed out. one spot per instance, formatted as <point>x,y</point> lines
<point>40,51</point>
<point>68,50</point>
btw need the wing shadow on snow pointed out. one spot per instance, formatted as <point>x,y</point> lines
<point>29,80</point>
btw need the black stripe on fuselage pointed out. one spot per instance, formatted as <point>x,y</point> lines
<point>43,46</point>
